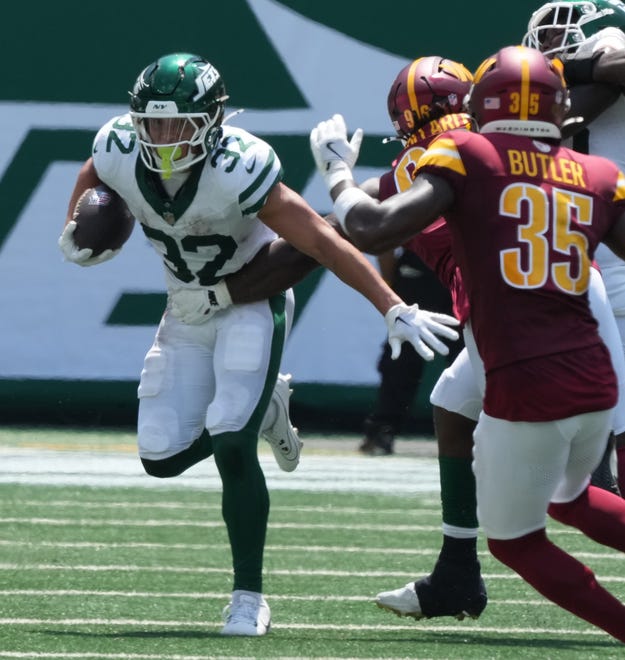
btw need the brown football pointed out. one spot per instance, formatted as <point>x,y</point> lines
<point>103,221</point>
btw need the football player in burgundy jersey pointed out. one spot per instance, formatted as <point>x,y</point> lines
<point>526,216</point>
<point>425,91</point>
<point>424,100</point>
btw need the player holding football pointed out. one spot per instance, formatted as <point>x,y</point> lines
<point>209,196</point>
<point>589,37</point>
<point>526,215</point>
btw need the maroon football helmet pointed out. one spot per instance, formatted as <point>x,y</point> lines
<point>520,91</point>
<point>424,90</point>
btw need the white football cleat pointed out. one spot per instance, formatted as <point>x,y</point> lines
<point>403,601</point>
<point>247,615</point>
<point>281,434</point>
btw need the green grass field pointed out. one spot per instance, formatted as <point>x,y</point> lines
<point>142,573</point>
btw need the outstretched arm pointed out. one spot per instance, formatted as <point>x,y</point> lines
<point>276,267</point>
<point>373,226</point>
<point>291,217</point>
<point>376,227</point>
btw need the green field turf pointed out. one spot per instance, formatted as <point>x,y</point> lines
<point>143,574</point>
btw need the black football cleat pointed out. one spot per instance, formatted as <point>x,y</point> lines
<point>379,439</point>
<point>450,590</point>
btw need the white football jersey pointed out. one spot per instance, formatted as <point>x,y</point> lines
<point>606,137</point>
<point>209,229</point>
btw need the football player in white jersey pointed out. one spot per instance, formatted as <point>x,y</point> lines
<point>209,196</point>
<point>589,37</point>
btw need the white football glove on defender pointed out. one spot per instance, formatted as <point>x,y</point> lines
<point>335,155</point>
<point>420,328</point>
<point>196,306</point>
<point>83,257</point>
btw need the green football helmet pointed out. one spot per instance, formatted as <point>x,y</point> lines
<point>177,106</point>
<point>560,28</point>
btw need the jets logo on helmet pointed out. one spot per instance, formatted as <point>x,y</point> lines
<point>177,107</point>
<point>560,28</point>
<point>207,78</point>
<point>520,91</point>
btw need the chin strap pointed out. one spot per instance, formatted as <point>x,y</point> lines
<point>572,120</point>
<point>232,114</point>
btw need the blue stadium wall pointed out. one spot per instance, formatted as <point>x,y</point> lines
<point>73,340</point>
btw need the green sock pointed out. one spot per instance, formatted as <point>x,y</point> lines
<point>245,505</point>
<point>458,492</point>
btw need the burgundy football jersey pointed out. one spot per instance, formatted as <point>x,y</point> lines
<point>525,223</point>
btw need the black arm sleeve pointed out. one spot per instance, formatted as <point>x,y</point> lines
<point>578,72</point>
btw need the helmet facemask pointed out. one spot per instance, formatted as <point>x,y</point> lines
<point>174,142</point>
<point>560,28</point>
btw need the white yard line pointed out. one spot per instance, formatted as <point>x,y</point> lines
<point>392,475</point>
<point>199,570</point>
<point>195,595</point>
<point>308,549</point>
<point>300,626</point>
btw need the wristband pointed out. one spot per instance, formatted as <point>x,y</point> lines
<point>580,72</point>
<point>337,172</point>
<point>345,202</point>
<point>222,295</point>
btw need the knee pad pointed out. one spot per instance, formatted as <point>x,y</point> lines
<point>158,431</point>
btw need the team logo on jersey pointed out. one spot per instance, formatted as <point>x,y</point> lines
<point>205,80</point>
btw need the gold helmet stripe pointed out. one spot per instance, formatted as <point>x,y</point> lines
<point>483,68</point>
<point>619,193</point>
<point>525,85</point>
<point>457,70</point>
<point>412,96</point>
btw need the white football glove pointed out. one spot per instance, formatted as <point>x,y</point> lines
<point>335,155</point>
<point>196,306</point>
<point>420,328</point>
<point>83,257</point>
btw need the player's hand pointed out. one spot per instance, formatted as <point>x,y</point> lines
<point>335,155</point>
<point>196,306</point>
<point>421,328</point>
<point>84,256</point>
